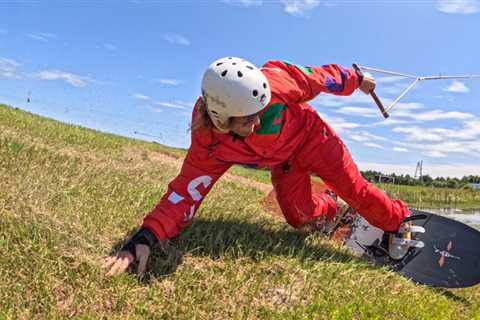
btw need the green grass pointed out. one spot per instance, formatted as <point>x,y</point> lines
<point>429,197</point>
<point>70,196</point>
<point>419,197</point>
<point>254,174</point>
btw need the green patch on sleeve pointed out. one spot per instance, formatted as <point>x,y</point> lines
<point>273,113</point>
<point>303,68</point>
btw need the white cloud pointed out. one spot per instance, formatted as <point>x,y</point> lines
<point>245,3</point>
<point>457,87</point>
<point>358,111</point>
<point>171,82</point>
<point>170,105</point>
<point>392,85</point>
<point>433,115</point>
<point>373,145</point>
<point>176,39</point>
<point>390,122</point>
<point>8,68</point>
<point>469,131</point>
<point>140,96</point>
<point>444,148</point>
<point>409,106</point>
<point>299,7</point>
<point>394,89</point>
<point>8,64</point>
<point>186,104</point>
<point>42,36</point>
<point>340,124</point>
<point>435,154</point>
<point>365,136</point>
<point>442,115</point>
<point>422,134</point>
<point>461,139</point>
<point>70,78</point>
<point>386,80</point>
<point>458,6</point>
<point>330,100</point>
<point>110,46</point>
<point>358,137</point>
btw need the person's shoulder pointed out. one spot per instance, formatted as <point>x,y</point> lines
<point>196,106</point>
<point>272,65</point>
<point>277,76</point>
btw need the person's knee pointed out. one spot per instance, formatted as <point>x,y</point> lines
<point>293,217</point>
<point>296,217</point>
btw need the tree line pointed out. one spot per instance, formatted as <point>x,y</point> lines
<point>426,180</point>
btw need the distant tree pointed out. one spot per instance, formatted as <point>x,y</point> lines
<point>439,182</point>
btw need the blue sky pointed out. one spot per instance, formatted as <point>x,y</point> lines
<point>134,67</point>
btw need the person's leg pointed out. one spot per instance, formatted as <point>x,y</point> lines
<point>294,195</point>
<point>331,161</point>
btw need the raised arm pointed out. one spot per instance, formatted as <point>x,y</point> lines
<point>298,83</point>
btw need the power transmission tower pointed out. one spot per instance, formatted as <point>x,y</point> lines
<point>419,170</point>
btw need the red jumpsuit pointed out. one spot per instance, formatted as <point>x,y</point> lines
<point>293,141</point>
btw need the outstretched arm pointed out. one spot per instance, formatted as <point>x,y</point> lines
<point>303,83</point>
<point>185,193</point>
<point>175,210</point>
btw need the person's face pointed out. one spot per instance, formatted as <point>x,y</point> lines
<point>244,126</point>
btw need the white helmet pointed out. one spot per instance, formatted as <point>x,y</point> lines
<point>233,87</point>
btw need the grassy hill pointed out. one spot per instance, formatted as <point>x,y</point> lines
<point>70,196</point>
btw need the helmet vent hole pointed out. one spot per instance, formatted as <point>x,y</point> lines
<point>250,67</point>
<point>220,63</point>
<point>264,85</point>
<point>255,93</point>
<point>263,98</point>
<point>239,74</point>
<point>224,73</point>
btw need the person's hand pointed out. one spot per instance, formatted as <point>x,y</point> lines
<point>136,251</point>
<point>368,83</point>
<point>120,262</point>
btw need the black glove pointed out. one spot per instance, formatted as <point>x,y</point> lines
<point>143,236</point>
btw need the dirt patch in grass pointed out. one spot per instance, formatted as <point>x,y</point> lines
<point>270,203</point>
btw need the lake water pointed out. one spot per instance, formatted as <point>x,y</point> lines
<point>472,218</point>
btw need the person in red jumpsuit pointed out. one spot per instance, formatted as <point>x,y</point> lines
<point>260,117</point>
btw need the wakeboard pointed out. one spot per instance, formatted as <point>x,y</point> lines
<point>449,258</point>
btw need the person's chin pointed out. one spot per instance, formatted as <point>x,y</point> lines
<point>248,133</point>
<point>245,133</point>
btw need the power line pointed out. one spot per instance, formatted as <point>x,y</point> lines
<point>147,134</point>
<point>88,113</point>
